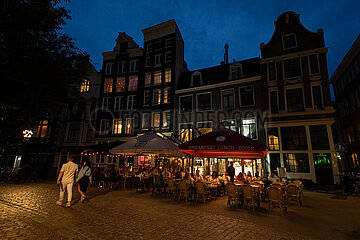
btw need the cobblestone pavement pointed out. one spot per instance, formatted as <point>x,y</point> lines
<point>29,211</point>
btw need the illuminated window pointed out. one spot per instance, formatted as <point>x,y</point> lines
<point>185,132</point>
<point>131,103</point>
<point>296,162</point>
<point>157,77</point>
<point>229,124</point>
<point>85,85</point>
<point>109,68</point>
<point>156,120</point>
<point>166,119</point>
<point>133,83</point>
<point>204,127</point>
<point>249,128</point>
<point>129,126</point>
<point>167,95</point>
<point>157,96</point>
<point>134,65</point>
<point>273,138</point>
<point>147,79</point>
<point>120,84</point>
<point>42,129</point>
<point>108,85</point>
<point>168,75</point>
<point>117,126</point>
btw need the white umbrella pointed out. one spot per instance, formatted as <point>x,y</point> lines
<point>149,143</point>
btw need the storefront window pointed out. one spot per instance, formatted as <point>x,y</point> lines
<point>293,138</point>
<point>319,137</point>
<point>296,162</point>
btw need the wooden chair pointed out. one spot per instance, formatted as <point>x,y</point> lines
<point>251,198</point>
<point>277,198</point>
<point>202,192</point>
<point>184,190</point>
<point>170,187</point>
<point>232,194</point>
<point>294,193</point>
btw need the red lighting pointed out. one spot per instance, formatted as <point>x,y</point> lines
<point>247,160</point>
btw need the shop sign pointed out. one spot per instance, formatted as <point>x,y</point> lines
<point>222,147</point>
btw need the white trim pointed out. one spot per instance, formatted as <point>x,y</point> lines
<point>162,117</point>
<point>128,97</point>
<point>169,95</point>
<point>192,78</point>
<point>268,75</point>
<point>152,119</point>
<point>157,64</point>
<point>312,95</point>
<point>197,101</point>
<point>294,55</point>
<point>166,54</point>
<point>221,98</point>
<point>287,35</point>
<point>159,71</point>
<point>294,123</point>
<point>256,127</point>
<point>292,80</point>
<point>136,65</point>
<point>142,121</point>
<point>277,99</point>
<point>145,105</point>
<point>192,103</point>
<point>113,128</point>
<point>295,86</point>
<point>253,95</point>
<point>157,102</point>
<point>217,85</point>
<point>318,62</point>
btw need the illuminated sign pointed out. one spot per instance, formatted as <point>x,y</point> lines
<point>222,147</point>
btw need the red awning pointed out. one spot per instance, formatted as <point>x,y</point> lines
<point>224,143</point>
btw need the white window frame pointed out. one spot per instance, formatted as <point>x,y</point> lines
<point>117,119</point>
<point>292,78</point>
<point>149,45</point>
<point>119,103</point>
<point>159,57</point>
<point>121,67</point>
<point>197,101</point>
<point>222,103</point>
<point>145,105</point>
<point>166,55</point>
<point>286,35</point>
<point>268,72</point>
<point>134,65</point>
<point>152,120</point>
<point>137,83</point>
<point>104,131</point>
<point>318,62</point>
<point>142,121</point>
<point>167,89</point>
<point>111,68</point>
<point>166,40</point>
<point>192,78</point>
<point>288,87</point>
<point>132,120</point>
<point>164,114</point>
<point>166,73</point>
<point>107,103</point>
<point>192,102</point>
<point>128,102</point>
<point>312,95</point>
<point>256,126</point>
<point>253,94</point>
<point>159,96</point>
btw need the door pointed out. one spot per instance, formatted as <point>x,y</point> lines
<point>323,169</point>
<point>274,161</point>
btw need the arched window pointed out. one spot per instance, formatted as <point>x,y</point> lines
<point>196,79</point>
<point>85,85</point>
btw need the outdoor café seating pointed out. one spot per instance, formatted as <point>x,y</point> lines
<point>202,192</point>
<point>233,195</point>
<point>294,192</point>
<point>277,198</point>
<point>251,195</point>
<point>171,187</point>
<point>184,189</point>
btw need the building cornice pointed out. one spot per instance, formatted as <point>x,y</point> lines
<point>293,55</point>
<point>328,110</point>
<point>217,85</point>
<point>292,123</point>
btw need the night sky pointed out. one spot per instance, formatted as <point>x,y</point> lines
<point>207,25</point>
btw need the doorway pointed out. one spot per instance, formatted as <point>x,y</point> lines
<point>323,169</point>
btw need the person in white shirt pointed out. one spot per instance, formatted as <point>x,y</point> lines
<point>273,178</point>
<point>225,178</point>
<point>198,177</point>
<point>65,179</point>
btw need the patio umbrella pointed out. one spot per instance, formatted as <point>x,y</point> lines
<point>224,143</point>
<point>147,144</point>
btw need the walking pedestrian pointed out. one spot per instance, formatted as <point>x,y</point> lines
<point>66,180</point>
<point>84,178</point>
<point>231,171</point>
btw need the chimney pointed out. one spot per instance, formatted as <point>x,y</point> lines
<point>226,55</point>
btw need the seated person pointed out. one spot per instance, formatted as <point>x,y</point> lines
<point>198,177</point>
<point>239,177</point>
<point>225,178</point>
<point>215,178</point>
<point>166,173</point>
<point>189,180</point>
<point>273,178</point>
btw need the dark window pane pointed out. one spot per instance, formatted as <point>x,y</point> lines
<point>274,161</point>
<point>228,98</point>
<point>294,98</point>
<point>293,138</point>
<point>317,97</point>
<point>186,104</point>
<point>289,41</point>
<point>319,137</point>
<point>292,68</point>
<point>272,71</point>
<point>296,162</point>
<point>274,102</point>
<point>247,96</point>
<point>204,102</point>
<point>314,65</point>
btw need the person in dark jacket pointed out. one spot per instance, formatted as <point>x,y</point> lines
<point>231,172</point>
<point>84,178</point>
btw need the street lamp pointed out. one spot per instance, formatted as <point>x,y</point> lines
<point>27,134</point>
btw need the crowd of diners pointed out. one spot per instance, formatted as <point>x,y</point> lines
<point>144,179</point>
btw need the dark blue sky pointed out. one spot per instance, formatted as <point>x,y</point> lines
<point>207,25</point>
